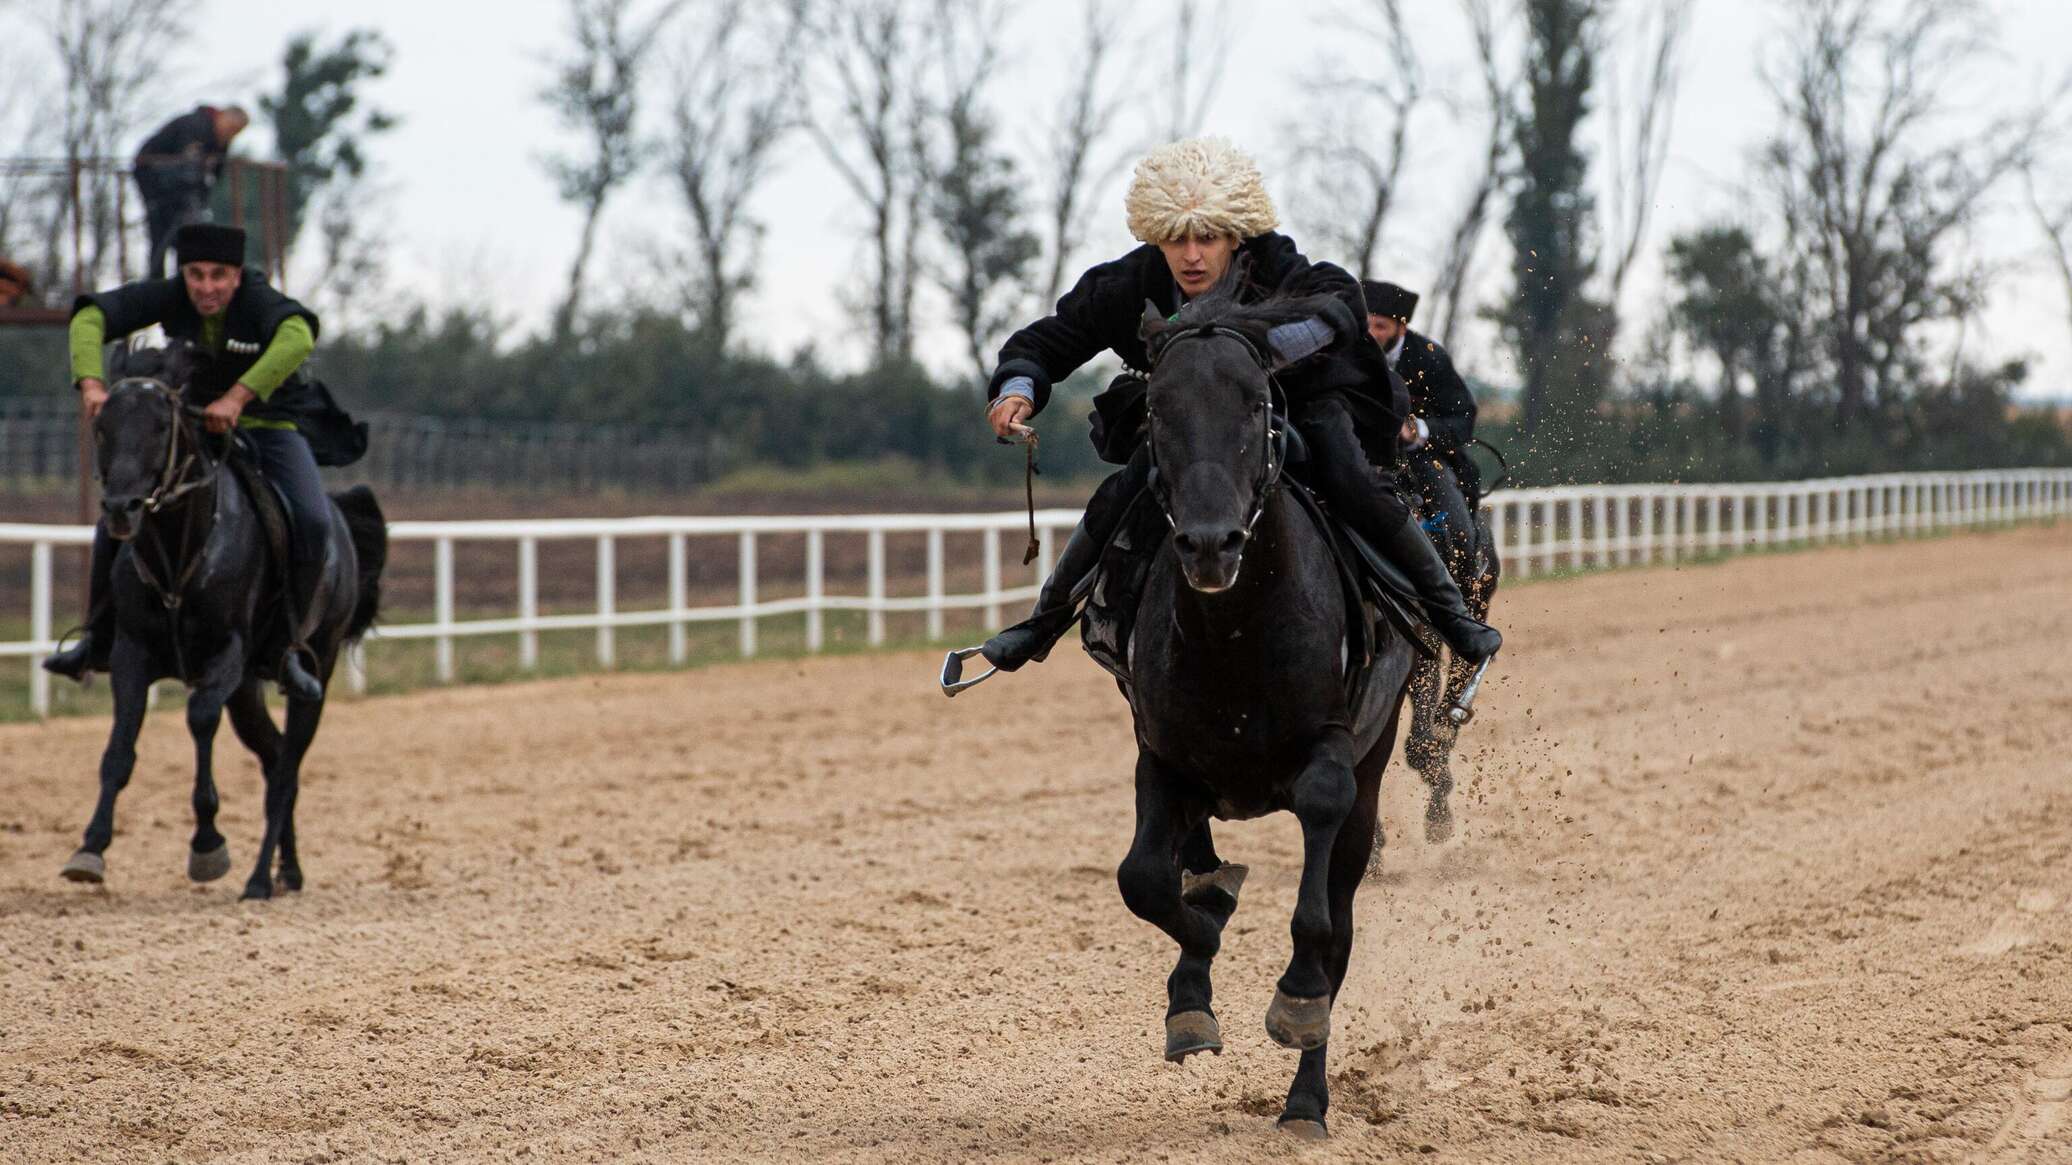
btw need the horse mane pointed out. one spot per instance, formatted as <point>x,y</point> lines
<point>1220,307</point>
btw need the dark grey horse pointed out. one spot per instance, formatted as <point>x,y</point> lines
<point>1241,694</point>
<point>190,587</point>
<point>1437,685</point>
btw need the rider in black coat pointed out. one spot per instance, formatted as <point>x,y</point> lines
<point>1203,215</point>
<point>1442,410</point>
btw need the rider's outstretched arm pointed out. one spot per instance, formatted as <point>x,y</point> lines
<point>89,331</point>
<point>291,345</point>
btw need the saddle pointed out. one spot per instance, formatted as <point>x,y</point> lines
<point>1373,588</point>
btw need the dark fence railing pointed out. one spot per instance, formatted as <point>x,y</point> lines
<point>39,449</point>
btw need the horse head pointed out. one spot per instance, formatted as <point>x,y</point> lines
<point>141,433</point>
<point>1210,403</point>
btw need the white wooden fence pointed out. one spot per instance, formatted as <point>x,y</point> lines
<point>1539,530</point>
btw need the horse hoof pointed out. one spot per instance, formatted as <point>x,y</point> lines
<point>1228,877</point>
<point>1190,1032</point>
<point>291,881</point>
<point>1302,1025</point>
<point>256,891</point>
<point>85,867</point>
<point>209,866</point>
<point>1438,825</point>
<point>1303,1129</point>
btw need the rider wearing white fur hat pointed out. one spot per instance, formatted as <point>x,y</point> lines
<point>1201,211</point>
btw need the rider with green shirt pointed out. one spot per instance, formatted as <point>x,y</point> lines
<point>254,340</point>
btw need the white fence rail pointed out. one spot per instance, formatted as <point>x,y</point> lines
<point>1538,531</point>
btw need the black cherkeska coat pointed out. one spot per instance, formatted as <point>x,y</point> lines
<point>1441,397</point>
<point>1104,310</point>
<point>185,146</point>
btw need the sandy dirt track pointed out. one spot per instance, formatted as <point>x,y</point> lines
<point>1766,861</point>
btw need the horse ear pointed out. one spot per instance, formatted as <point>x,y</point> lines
<point>1152,329</point>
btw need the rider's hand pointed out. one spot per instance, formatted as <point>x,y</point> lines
<point>92,395</point>
<point>222,414</point>
<point>1009,416</point>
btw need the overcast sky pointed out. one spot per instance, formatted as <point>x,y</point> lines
<point>470,212</point>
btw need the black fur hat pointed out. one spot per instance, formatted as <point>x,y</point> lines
<point>206,242</point>
<point>1387,299</point>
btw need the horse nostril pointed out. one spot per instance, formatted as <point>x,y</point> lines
<point>1184,543</point>
<point>1234,542</point>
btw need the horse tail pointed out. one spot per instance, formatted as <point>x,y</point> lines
<point>368,529</point>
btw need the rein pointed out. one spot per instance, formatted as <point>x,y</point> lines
<point>1276,445</point>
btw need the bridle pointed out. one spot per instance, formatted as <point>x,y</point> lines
<point>183,446</point>
<point>176,479</point>
<point>1275,439</point>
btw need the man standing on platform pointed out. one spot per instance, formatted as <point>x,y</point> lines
<point>177,167</point>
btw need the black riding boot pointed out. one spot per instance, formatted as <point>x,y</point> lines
<point>1407,545</point>
<point>1057,604</point>
<point>296,679</point>
<point>1363,499</point>
<point>89,653</point>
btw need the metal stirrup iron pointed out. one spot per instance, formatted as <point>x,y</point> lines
<point>1463,709</point>
<point>953,680</point>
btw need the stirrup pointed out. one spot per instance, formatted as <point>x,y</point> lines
<point>952,679</point>
<point>1462,709</point>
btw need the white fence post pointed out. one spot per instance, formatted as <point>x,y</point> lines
<point>935,584</point>
<point>877,587</point>
<point>39,626</point>
<point>607,599</point>
<point>1600,530</point>
<point>990,578</point>
<point>748,593</point>
<point>529,601</point>
<point>442,606</point>
<point>679,599</point>
<point>816,586</point>
<point>1575,531</point>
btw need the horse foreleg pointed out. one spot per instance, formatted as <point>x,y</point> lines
<point>208,855</point>
<point>130,679</point>
<point>1324,795</point>
<point>282,785</point>
<point>1309,1096</point>
<point>1149,878</point>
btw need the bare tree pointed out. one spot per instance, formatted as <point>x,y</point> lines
<point>109,54</point>
<point>1200,41</point>
<point>1872,199</point>
<point>735,102</point>
<point>1346,165</point>
<point>975,197</point>
<point>1086,116</point>
<point>1640,112</point>
<point>1499,90</point>
<point>2056,225</point>
<point>596,92</point>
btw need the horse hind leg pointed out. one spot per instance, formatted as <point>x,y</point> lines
<point>130,680</point>
<point>282,785</point>
<point>254,726</point>
<point>1150,881</point>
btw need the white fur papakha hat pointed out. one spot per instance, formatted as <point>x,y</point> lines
<point>1198,186</point>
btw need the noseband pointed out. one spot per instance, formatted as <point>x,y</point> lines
<point>1275,439</point>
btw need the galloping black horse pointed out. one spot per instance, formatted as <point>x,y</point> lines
<point>191,587</point>
<point>1436,686</point>
<point>1241,693</point>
